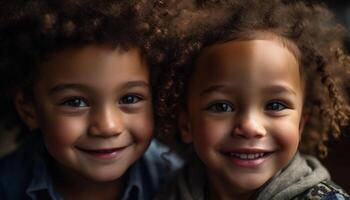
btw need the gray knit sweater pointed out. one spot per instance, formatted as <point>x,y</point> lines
<point>299,180</point>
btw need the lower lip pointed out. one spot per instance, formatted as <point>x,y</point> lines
<point>248,163</point>
<point>106,155</point>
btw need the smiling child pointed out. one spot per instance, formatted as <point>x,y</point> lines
<point>250,95</point>
<point>78,76</point>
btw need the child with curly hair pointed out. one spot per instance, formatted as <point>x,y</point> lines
<point>80,80</point>
<point>251,92</point>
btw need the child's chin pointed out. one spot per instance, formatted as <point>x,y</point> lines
<point>104,176</point>
<point>250,184</point>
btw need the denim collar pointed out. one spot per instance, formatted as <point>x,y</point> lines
<point>134,189</point>
<point>42,180</point>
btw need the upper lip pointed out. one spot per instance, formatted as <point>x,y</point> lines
<point>247,150</point>
<point>102,149</point>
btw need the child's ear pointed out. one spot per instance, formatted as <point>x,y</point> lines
<point>185,127</point>
<point>26,110</point>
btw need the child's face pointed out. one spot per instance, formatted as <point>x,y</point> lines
<point>244,112</point>
<point>93,107</point>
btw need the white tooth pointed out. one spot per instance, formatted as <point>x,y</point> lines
<point>261,154</point>
<point>244,156</point>
<point>250,156</point>
<point>257,155</point>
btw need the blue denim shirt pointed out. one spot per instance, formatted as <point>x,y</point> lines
<point>24,174</point>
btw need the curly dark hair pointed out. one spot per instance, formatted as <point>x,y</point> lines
<point>310,27</point>
<point>31,31</point>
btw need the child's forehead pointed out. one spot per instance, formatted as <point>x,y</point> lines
<point>97,69</point>
<point>264,49</point>
<point>264,35</point>
<point>259,55</point>
<point>84,47</point>
<point>247,61</point>
<point>80,50</point>
<point>87,56</point>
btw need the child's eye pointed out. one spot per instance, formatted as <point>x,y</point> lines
<point>275,106</point>
<point>220,107</point>
<point>130,99</point>
<point>75,102</point>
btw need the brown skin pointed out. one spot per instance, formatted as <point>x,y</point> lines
<point>94,97</point>
<point>244,97</point>
<point>325,70</point>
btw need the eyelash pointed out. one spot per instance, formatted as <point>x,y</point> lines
<point>75,102</point>
<point>134,99</point>
<point>214,107</point>
<point>228,107</point>
<point>272,106</point>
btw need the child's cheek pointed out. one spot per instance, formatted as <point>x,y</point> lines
<point>212,130</point>
<point>286,134</point>
<point>64,130</point>
<point>140,126</point>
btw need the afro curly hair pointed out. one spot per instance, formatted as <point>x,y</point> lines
<point>310,27</point>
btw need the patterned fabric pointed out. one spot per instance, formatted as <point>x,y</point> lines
<point>326,190</point>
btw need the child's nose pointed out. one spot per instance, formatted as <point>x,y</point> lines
<point>106,122</point>
<point>249,126</point>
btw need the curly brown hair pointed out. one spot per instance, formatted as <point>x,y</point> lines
<point>310,27</point>
<point>31,31</point>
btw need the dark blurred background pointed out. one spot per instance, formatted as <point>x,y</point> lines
<point>338,161</point>
<point>341,9</point>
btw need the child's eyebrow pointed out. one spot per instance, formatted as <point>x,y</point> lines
<point>131,84</point>
<point>62,87</point>
<point>127,85</point>
<point>269,89</point>
<point>212,88</point>
<point>279,89</point>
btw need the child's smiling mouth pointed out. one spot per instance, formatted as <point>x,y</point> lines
<point>104,153</point>
<point>247,158</point>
